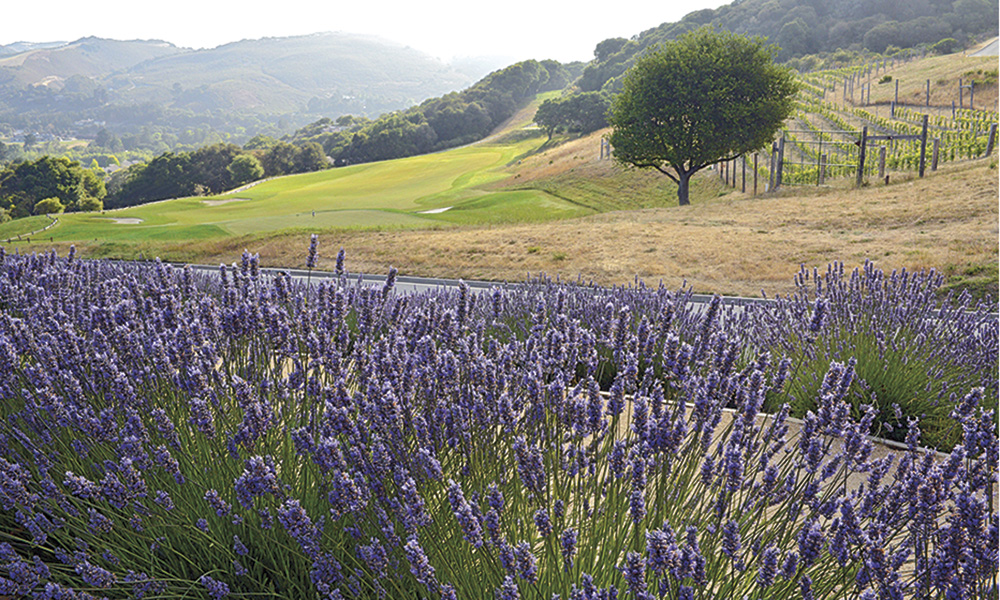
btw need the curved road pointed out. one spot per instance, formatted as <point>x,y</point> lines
<point>987,50</point>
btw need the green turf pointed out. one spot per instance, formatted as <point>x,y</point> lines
<point>395,193</point>
<point>23,226</point>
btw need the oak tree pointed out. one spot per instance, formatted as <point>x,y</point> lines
<point>707,97</point>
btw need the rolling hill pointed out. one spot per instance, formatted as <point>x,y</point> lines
<point>237,88</point>
<point>283,74</point>
<point>87,57</point>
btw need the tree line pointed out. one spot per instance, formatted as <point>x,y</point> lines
<point>48,185</point>
<point>212,170</point>
<point>808,27</point>
<point>577,113</point>
<point>436,124</point>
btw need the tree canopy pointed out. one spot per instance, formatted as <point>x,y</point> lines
<point>807,27</point>
<point>704,98</point>
<point>25,184</point>
<point>581,113</point>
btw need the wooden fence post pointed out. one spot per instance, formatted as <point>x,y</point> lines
<point>822,168</point>
<point>923,146</point>
<point>895,100</point>
<point>861,157</point>
<point>934,154</point>
<point>781,163</point>
<point>881,162</point>
<point>928,93</point>
<point>991,140</point>
<point>961,90</point>
<point>743,187</point>
<point>755,174</point>
<point>819,160</point>
<point>771,166</point>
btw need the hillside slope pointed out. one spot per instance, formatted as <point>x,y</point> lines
<point>801,27</point>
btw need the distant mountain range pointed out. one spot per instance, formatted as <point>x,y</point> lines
<point>17,47</point>
<point>126,85</point>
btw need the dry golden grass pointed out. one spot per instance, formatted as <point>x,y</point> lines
<point>943,73</point>
<point>734,244</point>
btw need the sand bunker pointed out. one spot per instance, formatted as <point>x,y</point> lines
<point>434,211</point>
<point>127,221</point>
<point>223,201</point>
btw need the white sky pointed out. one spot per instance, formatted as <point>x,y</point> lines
<point>518,29</point>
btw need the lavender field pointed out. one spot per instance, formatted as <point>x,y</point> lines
<point>167,434</point>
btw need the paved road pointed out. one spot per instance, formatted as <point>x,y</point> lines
<point>988,50</point>
<point>408,285</point>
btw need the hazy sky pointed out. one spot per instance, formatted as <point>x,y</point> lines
<point>518,29</point>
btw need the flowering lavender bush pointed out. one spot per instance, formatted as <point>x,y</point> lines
<point>912,356</point>
<point>170,435</point>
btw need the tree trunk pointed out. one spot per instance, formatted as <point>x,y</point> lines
<point>683,180</point>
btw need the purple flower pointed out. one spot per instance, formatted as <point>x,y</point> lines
<point>299,526</point>
<point>325,574</point>
<point>222,508</point>
<point>464,514</point>
<point>790,564</point>
<point>94,575</point>
<point>805,587</point>
<point>420,567</point>
<point>163,499</point>
<point>543,523</point>
<point>526,564</point>
<point>340,262</point>
<point>818,317</point>
<point>114,492</point>
<point>98,522</point>
<point>530,467</point>
<point>637,506</point>
<point>311,258</point>
<point>768,566</point>
<point>811,541</point>
<point>616,459</point>
<point>375,557</point>
<point>634,571</point>
<point>568,542</point>
<point>259,477</point>
<point>238,547</point>
<point>238,569</point>
<point>508,590</point>
<point>731,541</point>
<point>707,471</point>
<point>661,550</point>
<point>216,589</point>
